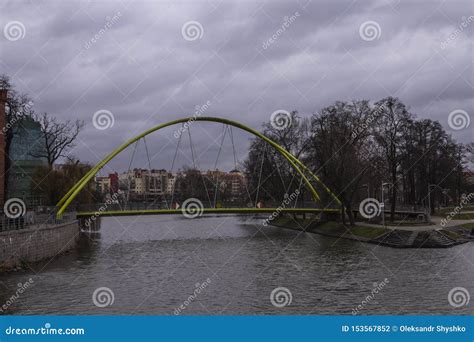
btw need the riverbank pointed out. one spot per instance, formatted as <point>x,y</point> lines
<point>392,237</point>
<point>34,244</point>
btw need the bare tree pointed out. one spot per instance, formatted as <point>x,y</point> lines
<point>279,177</point>
<point>340,149</point>
<point>390,135</point>
<point>59,137</point>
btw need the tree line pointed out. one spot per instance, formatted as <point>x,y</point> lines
<point>355,146</point>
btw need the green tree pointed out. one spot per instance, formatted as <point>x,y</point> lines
<point>52,184</point>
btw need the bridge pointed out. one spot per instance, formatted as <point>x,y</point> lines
<point>324,199</point>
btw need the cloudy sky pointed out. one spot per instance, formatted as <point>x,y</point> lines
<point>148,62</point>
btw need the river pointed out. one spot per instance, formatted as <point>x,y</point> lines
<point>166,265</point>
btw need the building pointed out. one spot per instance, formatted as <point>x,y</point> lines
<point>107,184</point>
<point>148,184</point>
<point>238,182</point>
<point>234,180</point>
<point>157,182</point>
<point>469,176</point>
<point>26,154</point>
<point>144,183</point>
<point>102,184</point>
<point>170,183</point>
<point>114,182</point>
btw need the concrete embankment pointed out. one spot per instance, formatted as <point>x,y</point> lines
<point>36,243</point>
<point>399,238</point>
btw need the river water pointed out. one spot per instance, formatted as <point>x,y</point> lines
<point>166,265</point>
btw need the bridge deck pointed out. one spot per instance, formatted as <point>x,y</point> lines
<point>205,211</point>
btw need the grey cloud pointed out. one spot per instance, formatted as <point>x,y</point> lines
<point>145,73</point>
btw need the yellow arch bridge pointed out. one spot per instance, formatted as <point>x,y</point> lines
<point>307,176</point>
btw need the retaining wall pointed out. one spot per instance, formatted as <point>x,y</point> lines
<point>35,244</point>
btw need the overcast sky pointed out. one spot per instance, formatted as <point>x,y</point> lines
<point>148,62</point>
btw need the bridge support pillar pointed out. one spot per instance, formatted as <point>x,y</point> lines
<point>90,224</point>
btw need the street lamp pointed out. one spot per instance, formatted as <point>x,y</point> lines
<point>446,196</point>
<point>443,191</point>
<point>382,205</point>
<point>368,189</point>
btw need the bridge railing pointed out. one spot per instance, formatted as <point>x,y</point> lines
<point>131,206</point>
<point>34,219</point>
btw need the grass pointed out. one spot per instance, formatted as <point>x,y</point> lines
<point>335,228</point>
<point>461,215</point>
<point>449,209</point>
<point>360,231</point>
<point>331,225</point>
<point>451,234</point>
<point>367,232</point>
<point>467,225</point>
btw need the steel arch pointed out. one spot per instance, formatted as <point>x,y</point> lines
<point>295,162</point>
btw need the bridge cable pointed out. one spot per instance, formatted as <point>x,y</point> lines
<point>231,134</point>
<point>128,174</point>
<point>281,176</point>
<point>298,194</point>
<point>215,164</point>
<point>154,180</point>
<point>260,174</point>
<point>174,160</point>
<point>196,168</point>
<point>236,163</point>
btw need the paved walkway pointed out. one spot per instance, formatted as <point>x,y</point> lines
<point>436,226</point>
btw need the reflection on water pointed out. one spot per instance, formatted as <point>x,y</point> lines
<point>155,265</point>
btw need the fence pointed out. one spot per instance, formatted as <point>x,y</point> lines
<point>34,218</point>
<point>205,204</point>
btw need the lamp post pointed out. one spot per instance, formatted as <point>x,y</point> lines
<point>443,191</point>
<point>382,205</point>
<point>446,196</point>
<point>368,189</point>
